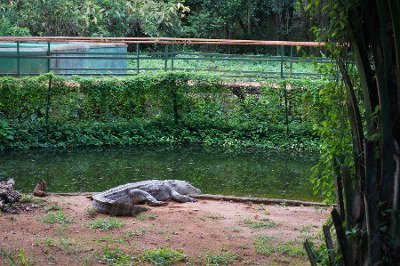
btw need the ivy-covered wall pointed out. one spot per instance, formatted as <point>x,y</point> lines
<point>50,111</point>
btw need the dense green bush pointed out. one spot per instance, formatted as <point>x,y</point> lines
<point>50,111</point>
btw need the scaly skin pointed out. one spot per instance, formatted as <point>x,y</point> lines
<point>123,200</point>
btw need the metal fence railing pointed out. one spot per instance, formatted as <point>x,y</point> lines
<point>91,56</point>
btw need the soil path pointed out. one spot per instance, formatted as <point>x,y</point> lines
<point>206,232</point>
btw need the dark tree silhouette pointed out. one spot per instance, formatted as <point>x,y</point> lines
<point>367,217</point>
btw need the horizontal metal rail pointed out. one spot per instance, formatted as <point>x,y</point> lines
<point>71,56</point>
<point>155,40</point>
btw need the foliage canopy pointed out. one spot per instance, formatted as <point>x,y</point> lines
<point>238,19</point>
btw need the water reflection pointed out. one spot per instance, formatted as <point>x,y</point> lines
<point>217,171</point>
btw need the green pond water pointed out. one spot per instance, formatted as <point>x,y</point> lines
<point>247,172</point>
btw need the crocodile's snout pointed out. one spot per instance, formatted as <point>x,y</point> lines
<point>195,190</point>
<point>191,189</point>
<point>184,187</point>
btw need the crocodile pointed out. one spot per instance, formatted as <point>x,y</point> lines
<point>123,200</point>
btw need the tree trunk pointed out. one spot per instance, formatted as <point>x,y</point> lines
<point>373,34</point>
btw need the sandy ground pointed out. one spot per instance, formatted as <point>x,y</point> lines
<point>205,231</point>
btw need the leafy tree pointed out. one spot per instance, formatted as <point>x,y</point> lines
<point>367,217</point>
<point>7,29</point>
<point>93,17</point>
<point>256,19</point>
<point>249,19</point>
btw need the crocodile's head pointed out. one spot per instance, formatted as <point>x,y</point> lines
<point>184,187</point>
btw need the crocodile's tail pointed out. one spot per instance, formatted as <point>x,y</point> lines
<point>116,208</point>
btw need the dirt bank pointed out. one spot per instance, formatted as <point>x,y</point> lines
<point>207,231</point>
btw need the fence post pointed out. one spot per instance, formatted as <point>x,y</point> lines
<point>18,60</point>
<point>172,57</point>
<point>286,107</point>
<point>175,104</point>
<point>291,61</point>
<point>48,58</point>
<point>137,59</point>
<point>282,54</point>
<point>48,98</point>
<point>321,62</point>
<point>166,58</point>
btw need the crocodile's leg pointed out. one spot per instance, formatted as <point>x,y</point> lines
<point>176,196</point>
<point>139,195</point>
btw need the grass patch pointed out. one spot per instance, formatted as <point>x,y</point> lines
<point>220,259</point>
<point>146,216</point>
<point>260,207</point>
<point>264,246</point>
<point>262,223</point>
<point>263,207</point>
<point>115,257</point>
<point>26,198</point>
<point>91,212</point>
<point>53,207</point>
<point>105,224</point>
<point>111,239</point>
<point>210,65</point>
<point>47,242</point>
<point>16,259</point>
<point>6,254</point>
<point>163,256</point>
<point>140,231</point>
<point>212,216</point>
<point>61,232</point>
<point>291,249</point>
<point>61,244</point>
<point>23,258</point>
<point>306,231</point>
<point>56,217</point>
